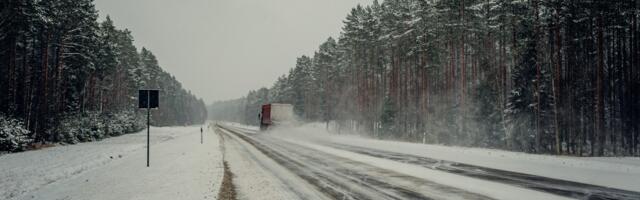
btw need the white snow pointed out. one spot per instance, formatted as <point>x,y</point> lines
<point>491,189</point>
<point>182,168</point>
<point>621,173</point>
<point>115,168</point>
<point>256,176</point>
<point>242,126</point>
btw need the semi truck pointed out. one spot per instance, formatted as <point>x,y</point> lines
<point>275,114</point>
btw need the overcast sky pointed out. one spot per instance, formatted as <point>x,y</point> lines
<point>221,49</point>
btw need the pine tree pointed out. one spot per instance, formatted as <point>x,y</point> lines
<point>542,76</point>
<point>72,79</point>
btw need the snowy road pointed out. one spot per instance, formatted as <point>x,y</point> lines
<point>303,164</point>
<point>334,177</point>
<point>550,185</point>
<point>343,171</point>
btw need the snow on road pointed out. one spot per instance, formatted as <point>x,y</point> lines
<point>256,176</point>
<point>115,168</point>
<point>620,173</point>
<point>338,160</point>
<point>488,188</point>
<point>347,175</point>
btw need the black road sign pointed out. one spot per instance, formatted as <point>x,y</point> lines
<point>148,98</point>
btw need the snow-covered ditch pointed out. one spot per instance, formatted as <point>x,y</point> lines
<point>115,168</point>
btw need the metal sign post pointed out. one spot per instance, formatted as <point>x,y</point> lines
<point>148,99</point>
<point>148,133</point>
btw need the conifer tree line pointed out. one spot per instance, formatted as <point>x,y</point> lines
<point>539,76</point>
<point>66,77</point>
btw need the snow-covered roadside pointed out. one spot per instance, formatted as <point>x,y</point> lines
<point>621,173</point>
<point>115,168</point>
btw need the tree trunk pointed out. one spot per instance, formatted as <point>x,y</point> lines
<point>556,80</point>
<point>11,88</point>
<point>59,86</point>
<point>463,68</point>
<point>599,87</point>
<point>43,99</point>
<point>536,37</point>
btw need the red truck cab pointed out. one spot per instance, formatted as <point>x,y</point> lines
<point>265,116</point>
<point>276,114</point>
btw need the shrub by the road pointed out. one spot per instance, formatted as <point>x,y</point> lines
<point>13,136</point>
<point>92,126</point>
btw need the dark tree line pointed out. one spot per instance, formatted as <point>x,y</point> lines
<point>540,76</point>
<point>65,77</point>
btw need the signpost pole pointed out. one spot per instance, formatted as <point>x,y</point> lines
<point>148,99</point>
<point>148,126</point>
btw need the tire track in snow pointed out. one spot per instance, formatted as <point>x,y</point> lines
<point>539,183</point>
<point>327,187</point>
<point>266,172</point>
<point>341,178</point>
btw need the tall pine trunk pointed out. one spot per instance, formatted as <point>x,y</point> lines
<point>43,97</point>
<point>599,125</point>
<point>556,80</point>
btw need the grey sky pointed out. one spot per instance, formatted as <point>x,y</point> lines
<point>220,49</point>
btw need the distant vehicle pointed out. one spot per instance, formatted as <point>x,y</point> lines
<point>275,114</point>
